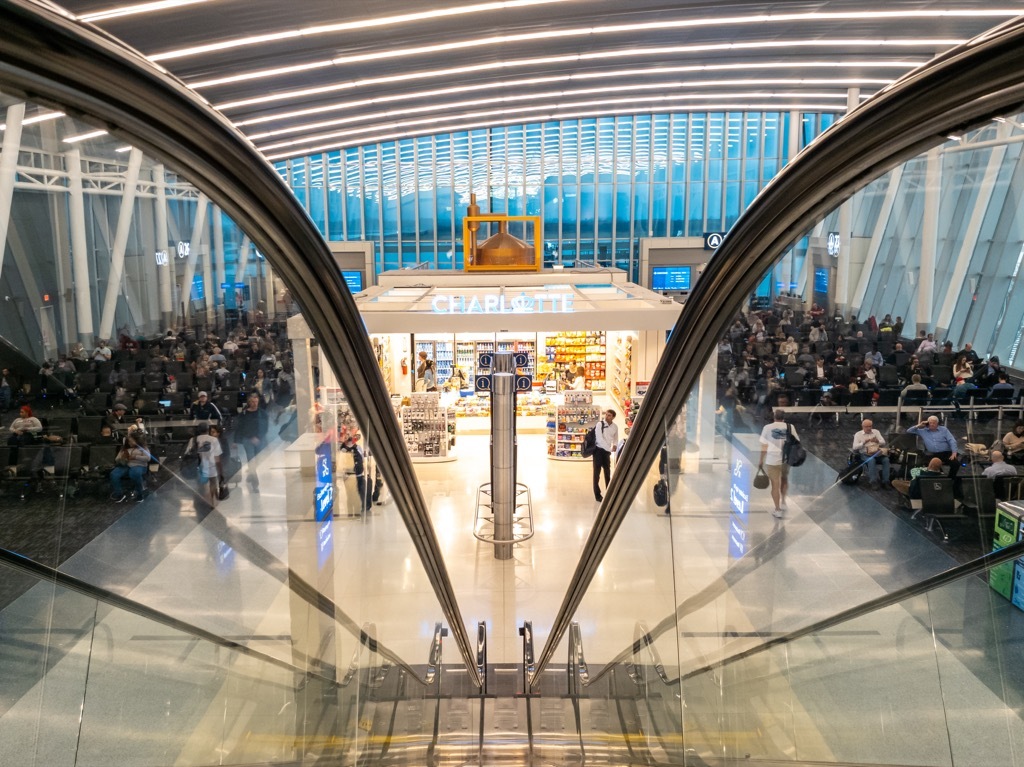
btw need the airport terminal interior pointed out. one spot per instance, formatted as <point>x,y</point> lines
<point>526,382</point>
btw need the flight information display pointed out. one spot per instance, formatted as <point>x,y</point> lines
<point>671,278</point>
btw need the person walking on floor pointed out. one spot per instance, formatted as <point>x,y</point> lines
<point>251,434</point>
<point>606,435</point>
<point>773,439</point>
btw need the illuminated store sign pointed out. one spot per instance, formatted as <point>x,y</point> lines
<point>493,303</point>
<point>161,258</point>
<point>833,244</point>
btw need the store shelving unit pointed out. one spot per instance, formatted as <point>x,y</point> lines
<point>443,355</point>
<point>620,370</point>
<point>571,349</point>
<point>428,428</point>
<point>568,425</point>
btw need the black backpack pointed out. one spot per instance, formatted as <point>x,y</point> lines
<point>589,444</point>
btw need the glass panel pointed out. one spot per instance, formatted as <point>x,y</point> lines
<point>190,449</point>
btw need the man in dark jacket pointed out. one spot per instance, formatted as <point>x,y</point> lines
<point>251,433</point>
<point>203,409</point>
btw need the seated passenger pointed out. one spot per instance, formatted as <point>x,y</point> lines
<point>1013,443</point>
<point>204,410</point>
<point>938,442</point>
<point>915,389</point>
<point>912,488</point>
<point>25,428</point>
<point>132,463</point>
<point>999,467</point>
<point>869,444</point>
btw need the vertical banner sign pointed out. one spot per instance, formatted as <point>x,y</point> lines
<point>323,503</point>
<point>739,504</point>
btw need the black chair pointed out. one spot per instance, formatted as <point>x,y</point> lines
<point>888,375</point>
<point>1009,488</point>
<point>900,359</point>
<point>942,396</point>
<point>28,468</point>
<point>841,374</point>
<point>87,383</point>
<point>60,426</point>
<point>96,403</point>
<point>938,502</point>
<point>65,469</point>
<point>943,374</point>
<point>185,380</point>
<point>861,398</point>
<point>888,398</point>
<point>979,495</point>
<point>87,428</point>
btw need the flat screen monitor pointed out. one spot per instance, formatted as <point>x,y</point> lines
<point>821,280</point>
<point>165,403</point>
<point>671,278</point>
<point>354,280</point>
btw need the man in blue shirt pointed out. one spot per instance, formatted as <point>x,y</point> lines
<point>938,442</point>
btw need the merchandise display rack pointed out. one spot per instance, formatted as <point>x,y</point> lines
<point>428,428</point>
<point>441,353</point>
<point>571,349</point>
<point>620,379</point>
<point>568,425</point>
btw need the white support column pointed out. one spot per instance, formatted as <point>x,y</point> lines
<point>270,290</point>
<point>209,289</point>
<point>79,249</point>
<point>884,214</point>
<point>793,143</point>
<point>219,278</point>
<point>8,170</point>
<point>970,241</point>
<point>124,224</point>
<point>196,241</point>
<point>929,240</point>
<point>807,288</point>
<point>708,404</point>
<point>241,266</point>
<point>164,271</point>
<point>845,230</point>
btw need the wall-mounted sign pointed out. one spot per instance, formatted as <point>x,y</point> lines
<point>739,505</point>
<point>161,258</point>
<point>323,502</point>
<point>833,244</point>
<point>184,249</point>
<point>712,240</point>
<point>494,303</point>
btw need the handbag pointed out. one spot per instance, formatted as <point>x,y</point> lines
<point>793,452</point>
<point>222,490</point>
<point>761,481</point>
<point>661,493</point>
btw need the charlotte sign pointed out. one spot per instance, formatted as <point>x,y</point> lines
<point>494,303</point>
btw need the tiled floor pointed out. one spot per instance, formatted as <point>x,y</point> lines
<point>945,661</point>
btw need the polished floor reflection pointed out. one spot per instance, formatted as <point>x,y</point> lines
<point>946,666</point>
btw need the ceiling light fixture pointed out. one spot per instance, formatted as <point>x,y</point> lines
<point>653,26</point>
<point>398,112</point>
<point>84,136</point>
<point>132,10</point>
<point>36,119</point>
<point>346,26</point>
<point>437,73</point>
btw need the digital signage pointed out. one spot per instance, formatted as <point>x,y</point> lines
<point>354,280</point>
<point>671,278</point>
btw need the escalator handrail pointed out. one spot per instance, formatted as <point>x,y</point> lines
<point>945,578</point>
<point>51,59</point>
<point>979,80</point>
<point>45,574</point>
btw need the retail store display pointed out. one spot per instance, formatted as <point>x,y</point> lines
<point>428,428</point>
<point>620,369</point>
<point>443,355</point>
<point>526,404</point>
<point>568,425</point>
<point>565,352</point>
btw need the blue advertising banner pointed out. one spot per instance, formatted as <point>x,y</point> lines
<point>323,503</point>
<point>739,505</point>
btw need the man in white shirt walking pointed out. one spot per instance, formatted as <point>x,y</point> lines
<point>607,437</point>
<point>773,439</point>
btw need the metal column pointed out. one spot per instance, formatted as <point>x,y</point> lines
<point>124,225</point>
<point>79,248</point>
<point>217,295</point>
<point>845,229</point>
<point>503,450</point>
<point>165,274</point>
<point>196,241</point>
<point>8,170</point>
<point>929,240</point>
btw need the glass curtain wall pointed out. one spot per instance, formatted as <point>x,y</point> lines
<point>599,184</point>
<point>718,567</point>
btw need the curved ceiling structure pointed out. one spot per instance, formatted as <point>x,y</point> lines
<point>325,74</point>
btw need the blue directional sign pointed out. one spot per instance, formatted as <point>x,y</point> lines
<point>323,503</point>
<point>482,383</point>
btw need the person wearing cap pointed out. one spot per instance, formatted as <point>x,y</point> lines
<point>203,409</point>
<point>119,416</point>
